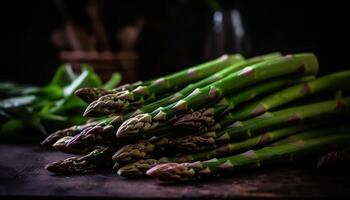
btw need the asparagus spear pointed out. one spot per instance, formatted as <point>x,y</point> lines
<point>61,145</point>
<point>314,133</point>
<point>239,130</point>
<point>98,159</point>
<point>139,167</point>
<point>91,94</point>
<point>97,128</point>
<point>200,119</point>
<point>141,150</point>
<point>137,151</point>
<point>123,100</point>
<point>97,110</point>
<point>71,131</point>
<point>181,93</point>
<point>249,159</point>
<point>332,82</point>
<point>306,64</point>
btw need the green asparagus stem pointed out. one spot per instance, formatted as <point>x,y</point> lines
<point>123,100</point>
<point>201,119</point>
<point>332,82</point>
<point>133,85</point>
<point>169,99</point>
<point>250,143</point>
<point>139,167</point>
<point>188,89</point>
<point>249,159</point>
<point>305,64</point>
<point>202,83</point>
<point>98,159</point>
<point>314,133</point>
<point>248,128</point>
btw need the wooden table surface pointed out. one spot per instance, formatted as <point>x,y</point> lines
<point>22,174</point>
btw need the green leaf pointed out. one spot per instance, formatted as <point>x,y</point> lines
<point>11,129</point>
<point>94,80</point>
<point>4,116</point>
<point>52,117</point>
<point>77,83</point>
<point>87,78</point>
<point>63,76</point>
<point>8,89</point>
<point>51,92</point>
<point>16,102</point>
<point>113,81</point>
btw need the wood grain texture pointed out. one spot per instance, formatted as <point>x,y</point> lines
<point>22,173</point>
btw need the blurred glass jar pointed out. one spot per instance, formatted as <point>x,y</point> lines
<point>227,34</point>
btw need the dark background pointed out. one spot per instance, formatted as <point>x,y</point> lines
<point>175,34</point>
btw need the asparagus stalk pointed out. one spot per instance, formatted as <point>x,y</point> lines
<point>139,167</point>
<point>142,149</point>
<point>187,90</point>
<point>97,159</point>
<point>91,94</point>
<point>305,64</point>
<point>71,131</point>
<point>297,132</point>
<point>137,151</point>
<point>61,145</point>
<point>332,82</point>
<point>248,128</point>
<point>190,88</point>
<point>123,100</point>
<point>200,119</point>
<point>249,159</point>
<point>179,94</point>
<point>314,133</point>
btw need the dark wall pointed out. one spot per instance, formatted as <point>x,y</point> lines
<point>175,32</point>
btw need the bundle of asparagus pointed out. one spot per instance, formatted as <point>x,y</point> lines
<point>226,114</point>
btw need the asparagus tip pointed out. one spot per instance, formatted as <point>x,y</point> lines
<point>91,94</point>
<point>133,126</point>
<point>196,120</point>
<point>137,168</point>
<point>172,172</point>
<point>107,104</point>
<point>133,152</point>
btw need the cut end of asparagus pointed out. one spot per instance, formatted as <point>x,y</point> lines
<point>109,104</point>
<point>134,126</point>
<point>335,160</point>
<point>192,143</point>
<point>133,152</point>
<point>137,169</point>
<point>196,120</point>
<point>91,94</point>
<point>172,172</point>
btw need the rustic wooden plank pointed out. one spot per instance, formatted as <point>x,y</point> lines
<point>22,174</point>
